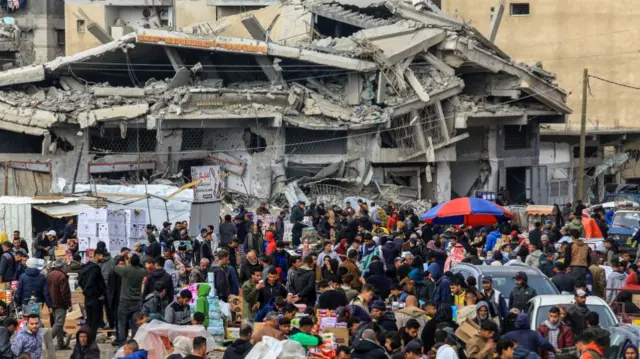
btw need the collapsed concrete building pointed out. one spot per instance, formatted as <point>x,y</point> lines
<point>388,100</point>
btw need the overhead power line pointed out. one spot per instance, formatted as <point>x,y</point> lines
<point>614,83</point>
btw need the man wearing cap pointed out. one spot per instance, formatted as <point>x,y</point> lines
<point>42,244</point>
<point>576,314</point>
<point>32,283</point>
<point>413,350</point>
<point>521,293</point>
<point>60,292</point>
<point>381,320</point>
<point>564,281</point>
<point>495,299</point>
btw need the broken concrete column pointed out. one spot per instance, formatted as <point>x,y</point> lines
<point>354,88</point>
<point>443,182</point>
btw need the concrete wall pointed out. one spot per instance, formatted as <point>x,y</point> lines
<point>568,36</point>
<point>77,41</point>
<point>191,12</point>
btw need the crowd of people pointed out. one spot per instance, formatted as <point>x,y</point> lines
<point>386,274</point>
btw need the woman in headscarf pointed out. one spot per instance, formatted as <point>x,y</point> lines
<point>341,249</point>
<point>330,268</point>
<point>443,317</point>
<point>175,277</point>
<point>630,351</point>
<point>181,348</point>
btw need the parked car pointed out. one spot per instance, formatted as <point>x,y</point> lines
<point>538,309</point>
<point>621,336</point>
<point>623,225</point>
<point>503,277</point>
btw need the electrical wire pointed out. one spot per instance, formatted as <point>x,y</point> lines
<point>614,83</point>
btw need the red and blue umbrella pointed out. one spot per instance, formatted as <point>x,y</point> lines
<point>467,211</point>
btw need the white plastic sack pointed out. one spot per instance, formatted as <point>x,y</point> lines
<point>149,337</point>
<point>225,310</point>
<point>272,348</point>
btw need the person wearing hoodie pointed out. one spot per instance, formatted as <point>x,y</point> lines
<point>521,293</point>
<point>169,267</point>
<point>341,249</point>
<point>132,277</point>
<point>202,304</point>
<point>85,348</point>
<point>60,293</point>
<point>533,259</point>
<point>7,263</point>
<point>378,279</point>
<point>280,259</point>
<point>133,351</point>
<point>390,252</point>
<point>152,304</point>
<point>615,280</point>
<point>412,311</point>
<point>255,240</point>
<point>556,332</point>
<point>178,312</point>
<point>240,347</point>
<point>181,347</point>
<point>528,338</point>
<point>492,240</point>
<point>94,289</point>
<point>28,339</point>
<point>304,285</point>
<point>495,299</point>
<point>32,282</point>
<point>483,314</point>
<point>159,275</point>
<point>367,347</point>
<point>442,293</point>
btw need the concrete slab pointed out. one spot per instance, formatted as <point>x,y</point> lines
<point>127,112</point>
<point>397,48</point>
<point>118,91</point>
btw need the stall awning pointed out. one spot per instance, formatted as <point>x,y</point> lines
<point>62,210</point>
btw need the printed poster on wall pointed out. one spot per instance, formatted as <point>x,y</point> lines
<point>210,187</point>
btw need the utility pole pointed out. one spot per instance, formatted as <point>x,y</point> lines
<point>583,130</point>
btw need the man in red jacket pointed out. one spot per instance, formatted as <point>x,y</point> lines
<point>60,292</point>
<point>556,332</point>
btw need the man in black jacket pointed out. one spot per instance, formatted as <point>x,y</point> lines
<point>241,347</point>
<point>165,233</point>
<point>304,284</point>
<point>94,288</point>
<point>535,236</point>
<point>297,216</point>
<point>330,298</point>
<point>7,263</point>
<point>154,249</point>
<point>272,289</point>
<point>159,275</point>
<point>563,280</point>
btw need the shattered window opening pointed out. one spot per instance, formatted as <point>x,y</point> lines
<point>558,188</point>
<point>300,141</point>
<point>516,137</point>
<point>110,141</point>
<point>192,139</point>
<point>80,26</point>
<point>13,142</point>
<point>521,9</point>
<point>253,142</point>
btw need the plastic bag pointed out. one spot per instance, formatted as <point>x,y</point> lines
<point>150,337</point>
<point>272,348</point>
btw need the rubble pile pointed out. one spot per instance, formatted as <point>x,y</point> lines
<point>361,65</point>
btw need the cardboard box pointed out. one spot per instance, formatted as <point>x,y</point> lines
<point>341,335</point>
<point>257,327</point>
<point>635,298</point>
<point>77,297</point>
<point>45,317</point>
<point>71,326</point>
<point>467,330</point>
<point>60,250</point>
<point>76,312</point>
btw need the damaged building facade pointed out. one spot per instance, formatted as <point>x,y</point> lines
<point>311,100</point>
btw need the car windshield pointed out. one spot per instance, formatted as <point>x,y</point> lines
<point>541,284</point>
<point>606,319</point>
<point>626,220</point>
<point>617,340</point>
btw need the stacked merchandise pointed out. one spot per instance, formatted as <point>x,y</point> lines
<point>216,324</point>
<point>116,228</point>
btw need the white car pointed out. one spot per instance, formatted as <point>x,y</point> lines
<point>538,309</point>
